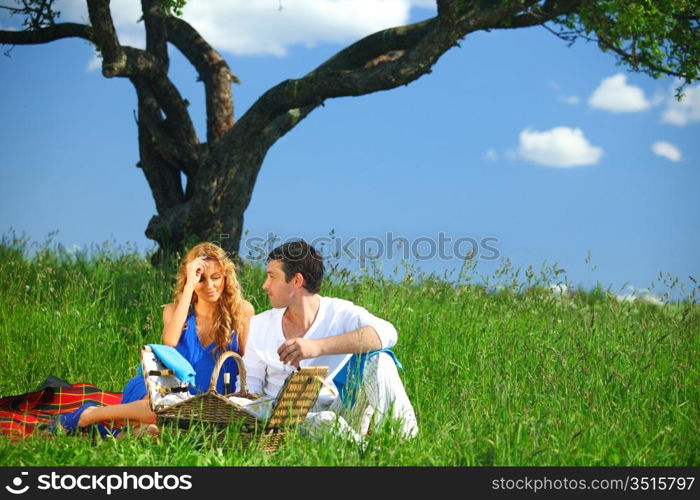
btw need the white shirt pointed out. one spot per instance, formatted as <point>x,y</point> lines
<point>266,373</point>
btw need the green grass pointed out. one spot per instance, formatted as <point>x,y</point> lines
<point>518,377</point>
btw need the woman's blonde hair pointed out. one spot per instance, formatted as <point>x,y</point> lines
<point>229,311</point>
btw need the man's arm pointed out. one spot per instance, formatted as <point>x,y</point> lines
<point>364,332</point>
<point>363,339</point>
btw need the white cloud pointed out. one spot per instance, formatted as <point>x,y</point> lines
<point>569,99</point>
<point>652,298</point>
<point>261,27</point>
<point>683,112</point>
<point>562,147</point>
<point>125,14</point>
<point>94,64</point>
<point>490,155</point>
<point>566,99</point>
<point>613,94</point>
<point>666,150</point>
<point>558,289</point>
<point>658,98</point>
<point>642,295</point>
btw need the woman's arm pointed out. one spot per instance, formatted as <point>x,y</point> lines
<point>247,312</point>
<point>175,314</point>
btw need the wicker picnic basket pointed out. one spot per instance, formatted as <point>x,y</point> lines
<point>217,411</point>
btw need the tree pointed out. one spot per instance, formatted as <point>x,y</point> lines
<point>654,37</point>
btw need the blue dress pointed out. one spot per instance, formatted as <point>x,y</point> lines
<point>201,359</point>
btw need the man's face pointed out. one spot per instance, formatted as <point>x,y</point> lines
<point>279,291</point>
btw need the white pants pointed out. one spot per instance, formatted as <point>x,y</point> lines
<point>381,395</point>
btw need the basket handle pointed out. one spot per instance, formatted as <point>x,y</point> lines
<point>220,363</point>
<point>330,387</point>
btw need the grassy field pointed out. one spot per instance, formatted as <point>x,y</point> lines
<point>518,377</point>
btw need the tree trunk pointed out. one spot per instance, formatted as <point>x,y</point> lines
<point>212,210</point>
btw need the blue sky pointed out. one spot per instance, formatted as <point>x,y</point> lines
<point>482,147</point>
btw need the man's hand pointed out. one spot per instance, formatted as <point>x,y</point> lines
<point>294,350</point>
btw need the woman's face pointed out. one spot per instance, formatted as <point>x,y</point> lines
<point>211,282</point>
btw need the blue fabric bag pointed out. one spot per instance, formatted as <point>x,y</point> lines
<point>349,379</point>
<point>175,361</point>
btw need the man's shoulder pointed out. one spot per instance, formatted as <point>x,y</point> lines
<point>269,315</point>
<point>261,325</point>
<point>266,319</point>
<point>336,303</point>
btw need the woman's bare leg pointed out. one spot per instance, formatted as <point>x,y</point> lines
<point>136,411</point>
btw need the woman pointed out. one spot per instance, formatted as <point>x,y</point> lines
<point>207,317</point>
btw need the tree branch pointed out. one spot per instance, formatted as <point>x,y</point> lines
<point>358,54</point>
<point>447,9</point>
<point>156,31</point>
<point>131,62</point>
<point>609,36</point>
<point>178,120</point>
<point>346,73</point>
<point>353,72</point>
<point>46,35</point>
<point>141,64</point>
<point>150,117</point>
<point>118,60</point>
<point>380,61</point>
<point>634,60</point>
<point>551,9</point>
<point>243,178</point>
<point>162,177</point>
<point>170,225</point>
<point>213,71</point>
<point>39,13</point>
<point>283,124</point>
<point>136,62</point>
<point>113,57</point>
<point>175,136</point>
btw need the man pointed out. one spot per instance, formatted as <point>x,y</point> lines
<point>306,329</point>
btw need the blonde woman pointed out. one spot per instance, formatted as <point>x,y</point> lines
<point>208,316</point>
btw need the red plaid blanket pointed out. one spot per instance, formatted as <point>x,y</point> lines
<point>22,415</point>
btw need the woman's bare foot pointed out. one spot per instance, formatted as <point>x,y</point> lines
<point>151,430</point>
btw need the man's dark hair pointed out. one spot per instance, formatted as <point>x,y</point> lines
<point>300,257</point>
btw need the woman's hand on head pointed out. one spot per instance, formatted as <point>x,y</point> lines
<point>169,337</point>
<point>194,270</point>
